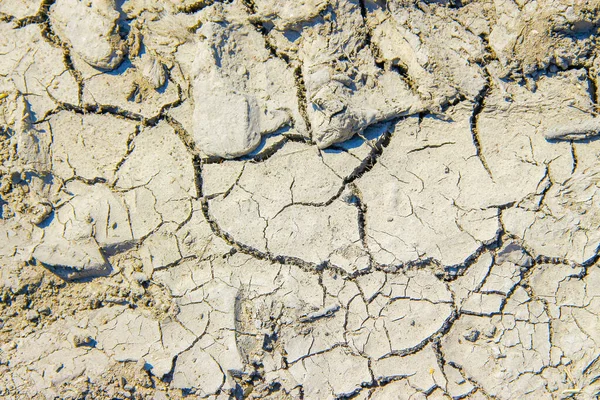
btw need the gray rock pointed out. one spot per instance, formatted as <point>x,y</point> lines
<point>90,28</point>
<point>248,88</point>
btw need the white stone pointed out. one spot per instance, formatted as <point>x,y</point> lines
<point>90,27</point>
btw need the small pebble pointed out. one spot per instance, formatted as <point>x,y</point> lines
<point>45,311</point>
<point>32,315</point>
<point>472,335</point>
<point>83,340</point>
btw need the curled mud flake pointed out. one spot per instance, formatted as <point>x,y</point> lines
<point>322,313</point>
<point>333,120</point>
<point>289,15</point>
<point>346,91</point>
<point>92,224</point>
<point>69,261</point>
<point>575,130</point>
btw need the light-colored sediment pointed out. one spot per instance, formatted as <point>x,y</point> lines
<point>318,199</point>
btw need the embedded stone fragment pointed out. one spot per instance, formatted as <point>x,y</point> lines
<point>90,28</point>
<point>514,253</point>
<point>72,260</point>
<point>239,137</point>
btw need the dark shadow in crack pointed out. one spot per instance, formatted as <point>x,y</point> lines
<point>2,204</point>
<point>79,276</point>
<point>578,141</point>
<point>371,133</point>
<point>123,22</point>
<point>262,147</point>
<point>292,35</point>
<point>47,221</point>
<point>115,249</point>
<point>122,68</point>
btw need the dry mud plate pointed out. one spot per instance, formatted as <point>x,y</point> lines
<point>308,199</point>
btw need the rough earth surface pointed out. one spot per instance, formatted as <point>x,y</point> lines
<point>311,199</point>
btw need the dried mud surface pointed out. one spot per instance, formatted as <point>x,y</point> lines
<point>311,199</point>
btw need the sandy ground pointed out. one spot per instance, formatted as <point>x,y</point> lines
<point>310,199</point>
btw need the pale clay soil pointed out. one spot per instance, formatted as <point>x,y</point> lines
<point>299,199</point>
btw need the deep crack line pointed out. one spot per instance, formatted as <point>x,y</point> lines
<point>249,250</point>
<point>593,87</point>
<point>477,109</point>
<point>295,64</point>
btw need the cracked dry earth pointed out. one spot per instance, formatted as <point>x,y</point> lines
<point>308,199</point>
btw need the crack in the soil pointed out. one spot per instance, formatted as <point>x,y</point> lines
<point>477,109</point>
